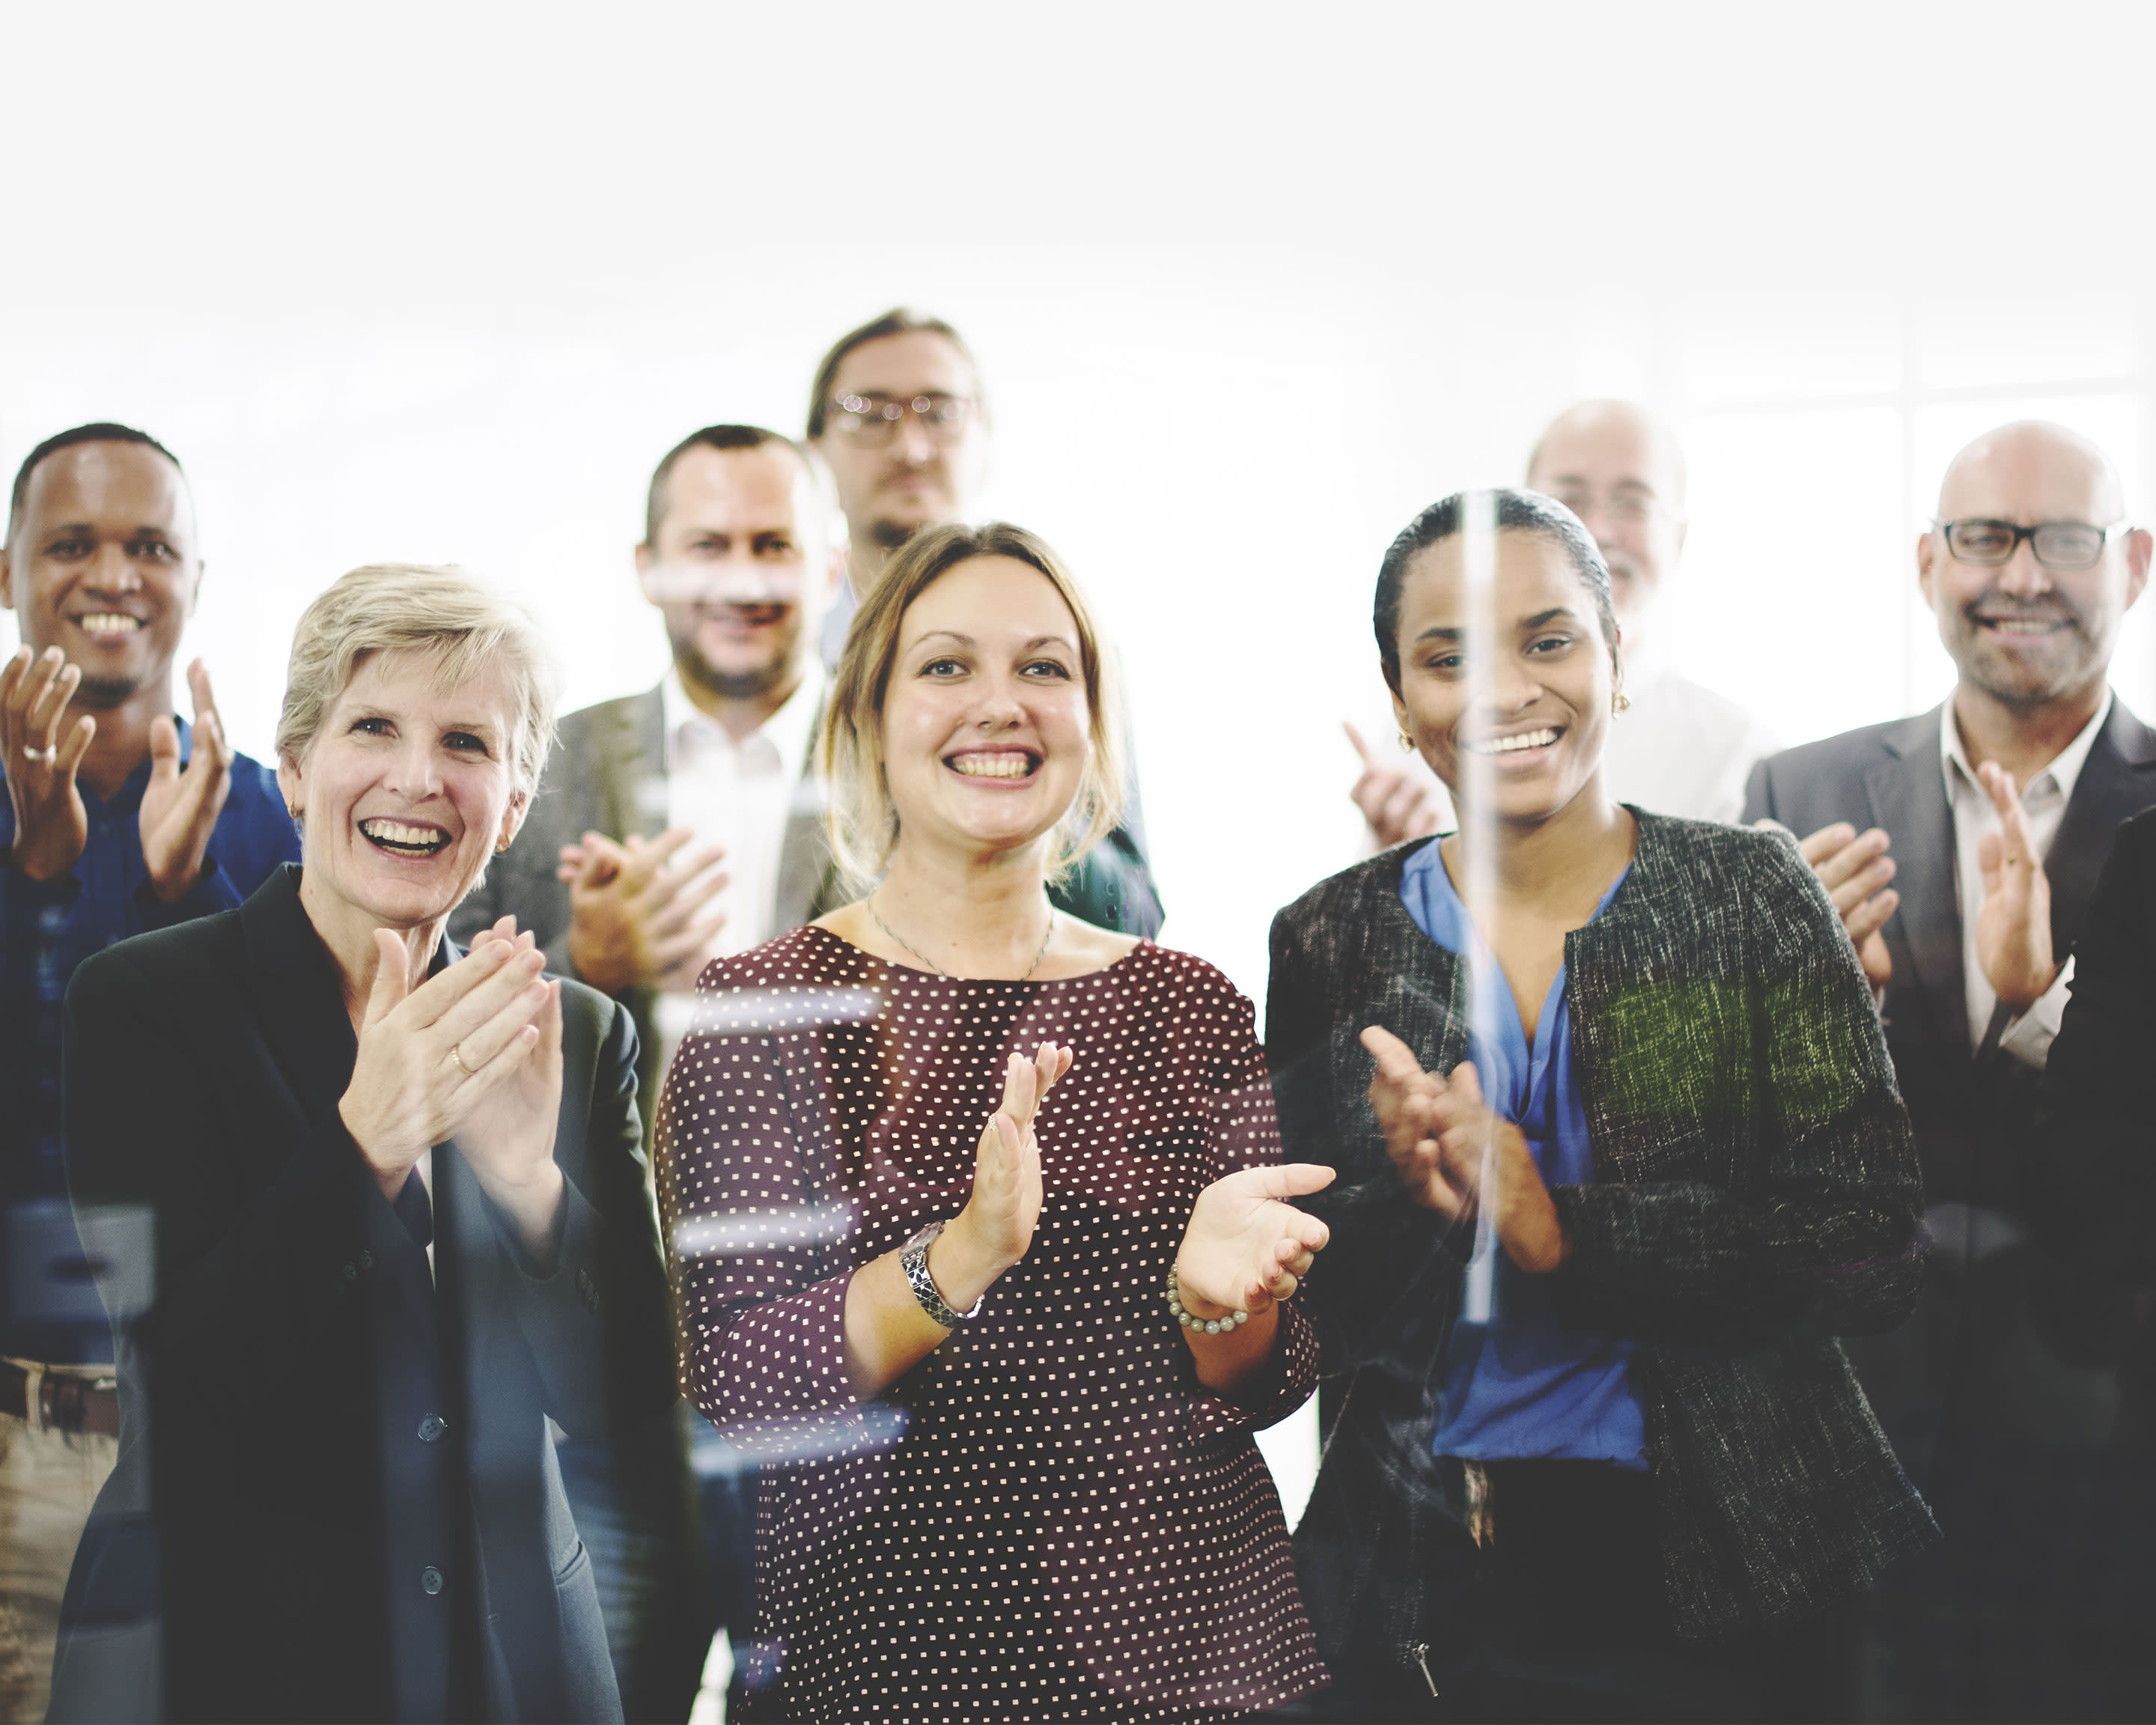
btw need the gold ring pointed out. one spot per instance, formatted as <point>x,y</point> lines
<point>47,754</point>
<point>456,1054</point>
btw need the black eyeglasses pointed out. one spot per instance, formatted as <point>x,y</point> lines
<point>2058,545</point>
<point>871,421</point>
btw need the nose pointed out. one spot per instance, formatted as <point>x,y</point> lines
<point>1511,686</point>
<point>2022,576</point>
<point>412,771</point>
<point>916,448</point>
<point>113,572</point>
<point>999,705</point>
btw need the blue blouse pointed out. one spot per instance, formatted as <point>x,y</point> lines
<point>1517,1385</point>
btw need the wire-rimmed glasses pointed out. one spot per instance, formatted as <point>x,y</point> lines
<point>871,421</point>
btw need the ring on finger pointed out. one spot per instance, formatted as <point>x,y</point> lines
<point>47,754</point>
<point>456,1054</point>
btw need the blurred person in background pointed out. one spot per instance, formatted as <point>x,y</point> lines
<point>2091,1183</point>
<point>401,1219</point>
<point>1960,847</point>
<point>1620,1159</point>
<point>1679,748</point>
<point>120,817</point>
<point>951,1107</point>
<point>898,410</point>
<point>673,827</point>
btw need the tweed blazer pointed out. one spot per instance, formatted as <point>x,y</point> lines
<point>1756,1194</point>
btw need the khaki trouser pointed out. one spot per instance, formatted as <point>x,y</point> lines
<point>48,1480</point>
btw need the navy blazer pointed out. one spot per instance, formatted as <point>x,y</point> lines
<point>324,1456</point>
<point>2011,1345</point>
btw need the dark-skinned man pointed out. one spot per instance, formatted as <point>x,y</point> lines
<point>119,818</point>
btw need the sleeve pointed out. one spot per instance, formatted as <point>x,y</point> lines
<point>2029,1036</point>
<point>1826,1239</point>
<point>238,1294</point>
<point>2090,1171</point>
<point>1387,1254</point>
<point>1245,1134</point>
<point>214,890</point>
<point>1112,887</point>
<point>760,1286</point>
<point>599,1325</point>
<point>1759,794</point>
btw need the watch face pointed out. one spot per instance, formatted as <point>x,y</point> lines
<point>923,1238</point>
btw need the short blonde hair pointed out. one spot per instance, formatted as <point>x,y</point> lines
<point>862,822</point>
<point>441,613</point>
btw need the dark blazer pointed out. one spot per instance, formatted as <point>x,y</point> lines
<point>1755,1197</point>
<point>2011,1345</point>
<point>282,1500</point>
<point>607,773</point>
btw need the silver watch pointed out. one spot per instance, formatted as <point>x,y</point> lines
<point>914,1256</point>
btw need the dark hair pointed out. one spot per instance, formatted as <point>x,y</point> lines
<point>102,432</point>
<point>1514,512</point>
<point>711,437</point>
<point>897,321</point>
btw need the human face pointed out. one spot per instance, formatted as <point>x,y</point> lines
<point>2026,634</point>
<point>102,566</point>
<point>891,493</point>
<point>740,568</point>
<point>986,735</point>
<point>1522,738</point>
<point>1620,473</point>
<point>404,793</point>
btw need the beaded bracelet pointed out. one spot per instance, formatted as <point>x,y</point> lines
<point>1210,1325</point>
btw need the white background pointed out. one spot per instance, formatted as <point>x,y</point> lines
<point>1250,286</point>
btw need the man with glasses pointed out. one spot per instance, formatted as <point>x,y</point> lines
<point>1990,816</point>
<point>1678,748</point>
<point>897,411</point>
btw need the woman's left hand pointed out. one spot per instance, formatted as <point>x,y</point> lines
<point>508,1136</point>
<point>1246,1247</point>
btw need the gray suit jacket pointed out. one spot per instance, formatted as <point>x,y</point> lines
<point>2011,1345</point>
<point>608,774</point>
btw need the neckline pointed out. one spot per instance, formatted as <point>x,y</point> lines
<point>1144,945</point>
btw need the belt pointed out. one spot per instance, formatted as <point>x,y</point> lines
<point>59,1399</point>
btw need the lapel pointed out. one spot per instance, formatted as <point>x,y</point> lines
<point>1908,797</point>
<point>631,767</point>
<point>299,1001</point>
<point>2117,780</point>
<point>807,869</point>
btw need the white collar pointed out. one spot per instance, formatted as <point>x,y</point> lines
<point>2065,770</point>
<point>786,730</point>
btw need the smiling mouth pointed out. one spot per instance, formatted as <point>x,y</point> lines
<point>402,838</point>
<point>1517,743</point>
<point>994,763</point>
<point>111,625</point>
<point>2022,625</point>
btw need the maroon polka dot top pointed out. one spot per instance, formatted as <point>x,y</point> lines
<point>1049,1517</point>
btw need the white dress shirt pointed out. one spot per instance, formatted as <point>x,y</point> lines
<point>2028,1036</point>
<point>1681,748</point>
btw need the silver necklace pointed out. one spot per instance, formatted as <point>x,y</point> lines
<point>870,902</point>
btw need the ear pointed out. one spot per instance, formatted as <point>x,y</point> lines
<point>1927,547</point>
<point>7,580</point>
<point>647,565</point>
<point>1400,715</point>
<point>291,781</point>
<point>512,819</point>
<point>1684,532</point>
<point>2139,545</point>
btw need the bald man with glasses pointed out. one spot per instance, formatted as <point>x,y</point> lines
<point>1961,848</point>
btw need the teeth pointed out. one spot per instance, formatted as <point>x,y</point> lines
<point>395,832</point>
<point>1000,765</point>
<point>2020,625</point>
<point>1513,745</point>
<point>109,622</point>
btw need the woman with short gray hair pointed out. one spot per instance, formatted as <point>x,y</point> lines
<point>399,1201</point>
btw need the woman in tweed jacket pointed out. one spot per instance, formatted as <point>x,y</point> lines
<point>1742,1190</point>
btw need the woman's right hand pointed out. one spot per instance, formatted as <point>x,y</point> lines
<point>995,1229</point>
<point>429,1054</point>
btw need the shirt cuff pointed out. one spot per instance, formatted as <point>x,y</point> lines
<point>2028,1037</point>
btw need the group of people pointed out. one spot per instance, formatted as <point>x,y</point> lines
<point>494,1203</point>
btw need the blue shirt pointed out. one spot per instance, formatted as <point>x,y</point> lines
<point>49,1309</point>
<point>1517,1385</point>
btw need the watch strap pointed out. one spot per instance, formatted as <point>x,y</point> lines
<point>913,1256</point>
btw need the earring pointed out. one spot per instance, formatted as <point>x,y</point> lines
<point>502,847</point>
<point>1621,702</point>
<point>294,810</point>
<point>1407,743</point>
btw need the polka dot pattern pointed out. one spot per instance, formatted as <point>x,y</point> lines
<point>1050,1517</point>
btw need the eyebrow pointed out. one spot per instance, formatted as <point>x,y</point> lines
<point>1445,632</point>
<point>964,640</point>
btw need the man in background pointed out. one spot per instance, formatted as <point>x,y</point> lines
<point>1991,816</point>
<point>897,411</point>
<point>674,827</point>
<point>119,818</point>
<point>1678,748</point>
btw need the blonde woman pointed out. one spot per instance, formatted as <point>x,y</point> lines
<point>398,1196</point>
<point>948,1107</point>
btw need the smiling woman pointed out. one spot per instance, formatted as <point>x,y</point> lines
<point>1074,1521</point>
<point>399,1197</point>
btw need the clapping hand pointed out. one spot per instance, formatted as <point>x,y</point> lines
<point>639,911</point>
<point>1456,1156</point>
<point>180,808</point>
<point>51,824</point>
<point>429,1056</point>
<point>1855,868</point>
<point>2013,928</point>
<point>1246,1246</point>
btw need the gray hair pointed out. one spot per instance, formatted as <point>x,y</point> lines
<point>441,613</point>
